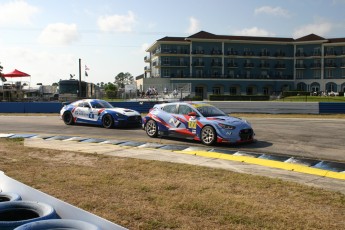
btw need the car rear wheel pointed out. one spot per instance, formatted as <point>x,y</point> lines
<point>208,135</point>
<point>107,121</point>
<point>68,118</point>
<point>151,128</point>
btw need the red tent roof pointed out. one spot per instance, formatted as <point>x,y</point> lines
<point>16,73</point>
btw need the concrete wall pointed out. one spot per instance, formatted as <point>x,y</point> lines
<point>229,107</point>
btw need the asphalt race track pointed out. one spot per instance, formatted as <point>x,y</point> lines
<point>322,139</point>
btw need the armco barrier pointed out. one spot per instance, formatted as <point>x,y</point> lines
<point>228,107</point>
<point>331,108</point>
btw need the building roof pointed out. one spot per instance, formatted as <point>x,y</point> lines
<point>173,39</point>
<point>310,37</point>
<point>207,35</point>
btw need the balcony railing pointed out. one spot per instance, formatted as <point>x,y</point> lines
<point>147,58</point>
<point>280,66</point>
<point>147,68</point>
<point>264,65</point>
<point>248,65</point>
<point>198,64</point>
<point>232,53</point>
<point>198,52</point>
<point>216,64</point>
<point>315,65</point>
<point>330,65</point>
<point>232,65</point>
<point>300,66</point>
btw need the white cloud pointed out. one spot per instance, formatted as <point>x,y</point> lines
<point>320,28</point>
<point>17,13</point>
<point>194,25</point>
<point>254,31</point>
<point>275,11</point>
<point>117,23</point>
<point>59,34</point>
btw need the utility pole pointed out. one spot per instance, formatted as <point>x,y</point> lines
<point>79,93</point>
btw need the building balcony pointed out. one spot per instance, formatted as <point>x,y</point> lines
<point>315,65</point>
<point>264,65</point>
<point>301,54</point>
<point>198,52</point>
<point>248,53</point>
<point>315,54</point>
<point>330,65</point>
<point>231,53</point>
<point>330,53</point>
<point>279,54</point>
<point>342,65</point>
<point>232,65</point>
<point>147,69</point>
<point>147,58</point>
<point>248,65</point>
<point>198,64</point>
<point>216,64</point>
<point>300,66</point>
<point>264,54</point>
<point>216,52</point>
<point>280,66</point>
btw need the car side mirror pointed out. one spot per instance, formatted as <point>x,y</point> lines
<point>192,114</point>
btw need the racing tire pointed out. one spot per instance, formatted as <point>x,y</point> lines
<point>58,224</point>
<point>151,128</point>
<point>107,121</point>
<point>16,213</point>
<point>208,135</point>
<point>68,118</point>
<point>8,196</point>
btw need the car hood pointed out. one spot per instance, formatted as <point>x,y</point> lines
<point>127,112</point>
<point>228,119</point>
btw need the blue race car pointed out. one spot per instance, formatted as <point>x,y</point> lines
<point>99,112</point>
<point>198,121</point>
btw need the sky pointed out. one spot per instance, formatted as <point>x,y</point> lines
<point>47,38</point>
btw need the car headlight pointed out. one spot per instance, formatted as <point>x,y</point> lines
<point>224,126</point>
<point>119,115</point>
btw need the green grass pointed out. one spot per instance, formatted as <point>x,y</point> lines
<point>312,99</point>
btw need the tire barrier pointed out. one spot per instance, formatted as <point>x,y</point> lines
<point>58,224</point>
<point>16,213</point>
<point>8,196</point>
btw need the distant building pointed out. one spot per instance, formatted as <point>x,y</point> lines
<point>243,65</point>
<point>69,90</point>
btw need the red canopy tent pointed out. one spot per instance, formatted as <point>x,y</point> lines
<point>16,73</point>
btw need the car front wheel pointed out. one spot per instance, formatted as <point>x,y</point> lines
<point>208,135</point>
<point>68,118</point>
<point>151,128</point>
<point>107,121</point>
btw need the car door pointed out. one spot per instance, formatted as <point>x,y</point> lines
<point>189,119</point>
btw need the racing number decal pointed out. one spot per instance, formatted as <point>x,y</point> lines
<point>175,122</point>
<point>192,123</point>
<point>91,115</point>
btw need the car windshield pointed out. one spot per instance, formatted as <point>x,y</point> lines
<point>210,111</point>
<point>100,104</point>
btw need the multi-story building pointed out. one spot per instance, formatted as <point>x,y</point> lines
<point>244,65</point>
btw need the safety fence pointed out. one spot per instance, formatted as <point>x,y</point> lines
<point>228,107</point>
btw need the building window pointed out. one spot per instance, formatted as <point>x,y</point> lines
<point>299,52</point>
<point>317,51</point>
<point>166,49</point>
<point>330,51</point>
<point>166,73</point>
<point>317,74</point>
<point>199,73</point>
<point>216,90</point>
<point>249,90</point>
<point>299,74</point>
<point>329,73</point>
<point>231,73</point>
<point>233,91</point>
<point>343,73</point>
<point>166,61</point>
<point>265,91</point>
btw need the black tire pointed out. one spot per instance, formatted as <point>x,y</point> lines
<point>58,224</point>
<point>151,128</point>
<point>208,135</point>
<point>8,196</point>
<point>17,213</point>
<point>68,118</point>
<point>107,121</point>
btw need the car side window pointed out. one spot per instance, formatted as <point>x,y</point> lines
<point>170,109</point>
<point>184,109</point>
